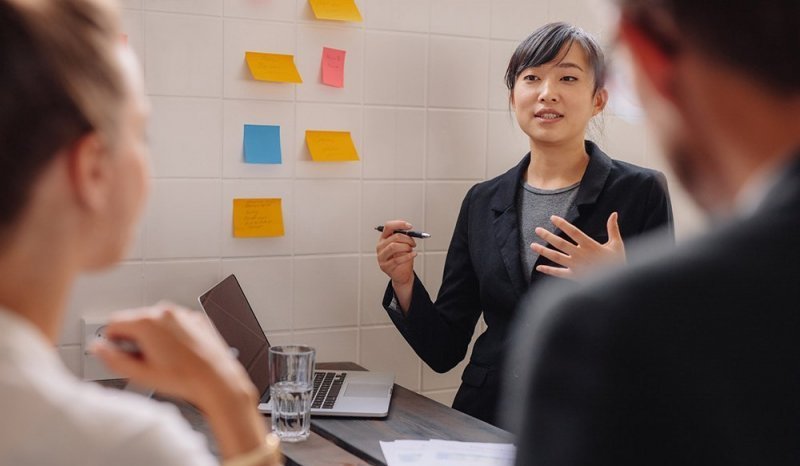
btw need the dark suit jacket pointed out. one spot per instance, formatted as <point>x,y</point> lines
<point>483,269</point>
<point>689,358</point>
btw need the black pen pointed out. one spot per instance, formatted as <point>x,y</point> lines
<point>411,233</point>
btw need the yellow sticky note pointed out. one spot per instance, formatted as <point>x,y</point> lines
<point>337,10</point>
<point>272,67</point>
<point>331,146</point>
<point>257,218</point>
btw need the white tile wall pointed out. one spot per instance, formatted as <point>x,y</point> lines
<point>185,137</point>
<point>516,19</point>
<point>200,7</point>
<point>184,219</point>
<point>325,292</point>
<point>195,275</point>
<point>279,10</point>
<point>461,17</point>
<point>459,70</point>
<point>394,143</point>
<point>425,102</point>
<point>456,144</point>
<point>395,68</point>
<point>186,57</point>
<point>267,282</point>
<point>391,15</point>
<point>385,350</point>
<point>507,144</point>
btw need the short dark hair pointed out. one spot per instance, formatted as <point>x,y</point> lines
<point>59,80</point>
<point>762,39</point>
<point>543,46</point>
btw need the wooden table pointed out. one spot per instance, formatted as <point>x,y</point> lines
<point>411,417</point>
<point>355,441</point>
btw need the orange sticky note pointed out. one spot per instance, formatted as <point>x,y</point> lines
<point>337,10</point>
<point>333,67</point>
<point>272,67</point>
<point>331,146</point>
<point>257,218</point>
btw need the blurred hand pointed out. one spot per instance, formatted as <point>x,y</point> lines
<point>576,259</point>
<point>181,354</point>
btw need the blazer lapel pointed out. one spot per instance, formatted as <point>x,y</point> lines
<point>591,184</point>
<point>506,224</point>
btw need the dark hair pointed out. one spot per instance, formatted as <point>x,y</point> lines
<point>544,45</point>
<point>758,38</point>
<point>59,80</point>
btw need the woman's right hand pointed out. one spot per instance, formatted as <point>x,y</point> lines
<point>396,258</point>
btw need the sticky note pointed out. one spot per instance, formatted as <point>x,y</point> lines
<point>331,146</point>
<point>257,218</point>
<point>333,67</point>
<point>272,67</point>
<point>262,144</point>
<point>337,10</point>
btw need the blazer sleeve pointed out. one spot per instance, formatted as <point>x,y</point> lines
<point>440,332</point>
<point>658,214</point>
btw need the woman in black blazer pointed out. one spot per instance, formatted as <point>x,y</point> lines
<point>590,203</point>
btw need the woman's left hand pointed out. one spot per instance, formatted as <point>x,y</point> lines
<point>576,258</point>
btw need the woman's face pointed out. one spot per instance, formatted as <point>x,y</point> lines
<point>554,102</point>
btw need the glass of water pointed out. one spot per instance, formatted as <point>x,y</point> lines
<point>291,371</point>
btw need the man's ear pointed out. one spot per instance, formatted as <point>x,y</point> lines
<point>655,63</point>
<point>90,171</point>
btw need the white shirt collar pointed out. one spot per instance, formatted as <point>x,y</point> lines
<point>21,340</point>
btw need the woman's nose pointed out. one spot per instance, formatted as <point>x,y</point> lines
<point>547,93</point>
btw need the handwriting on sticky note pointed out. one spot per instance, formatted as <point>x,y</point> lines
<point>262,144</point>
<point>272,67</point>
<point>257,218</point>
<point>337,10</point>
<point>333,67</point>
<point>331,146</point>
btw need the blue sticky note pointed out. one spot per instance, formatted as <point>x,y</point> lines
<point>262,144</point>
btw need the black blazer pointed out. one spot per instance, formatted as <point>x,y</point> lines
<point>691,357</point>
<point>483,270</point>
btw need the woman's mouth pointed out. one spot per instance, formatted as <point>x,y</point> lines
<point>548,115</point>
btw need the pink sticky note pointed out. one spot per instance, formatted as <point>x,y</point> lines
<point>333,67</point>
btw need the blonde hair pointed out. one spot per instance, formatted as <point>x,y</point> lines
<point>60,80</point>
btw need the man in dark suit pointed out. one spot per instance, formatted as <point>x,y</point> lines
<point>691,355</point>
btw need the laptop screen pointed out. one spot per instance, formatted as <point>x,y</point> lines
<point>228,309</point>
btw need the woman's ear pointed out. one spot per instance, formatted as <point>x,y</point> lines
<point>90,171</point>
<point>600,101</point>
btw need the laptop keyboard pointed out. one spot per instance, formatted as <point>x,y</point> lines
<point>327,386</point>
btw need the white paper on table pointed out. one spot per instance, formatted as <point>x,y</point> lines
<point>404,452</point>
<point>447,453</point>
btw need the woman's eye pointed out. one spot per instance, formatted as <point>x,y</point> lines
<point>531,77</point>
<point>569,78</point>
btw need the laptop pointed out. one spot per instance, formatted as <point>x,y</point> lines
<point>336,393</point>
